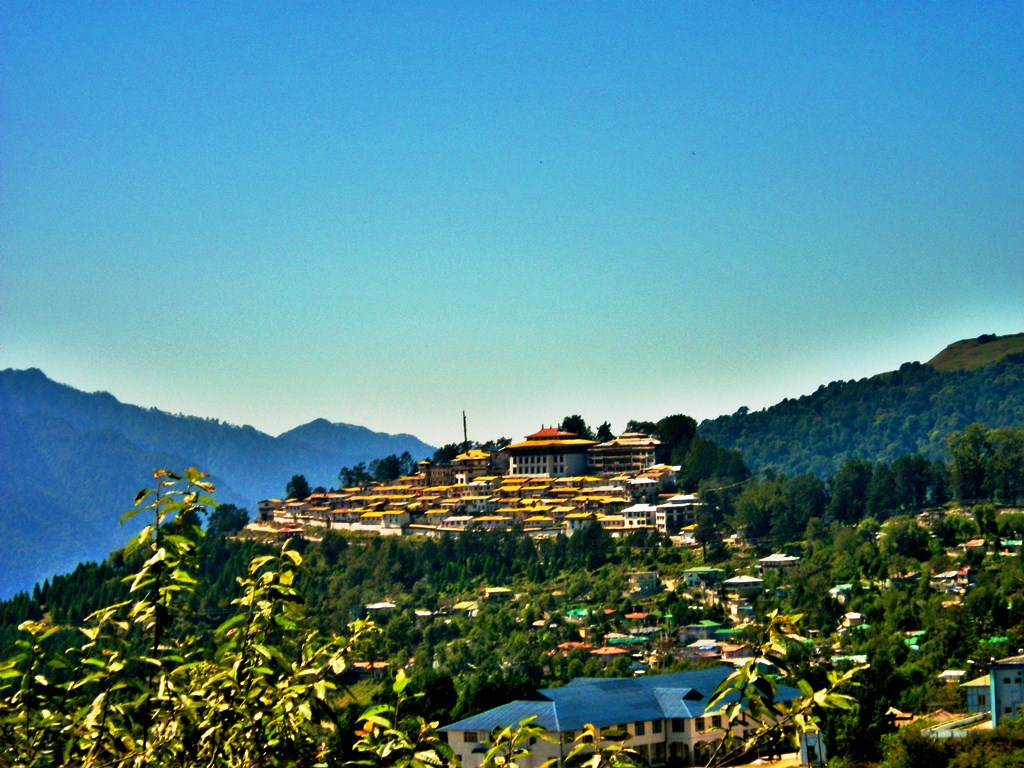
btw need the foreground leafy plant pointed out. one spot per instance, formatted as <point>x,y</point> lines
<point>145,690</point>
<point>511,744</point>
<point>750,692</point>
<point>390,739</point>
<point>595,748</point>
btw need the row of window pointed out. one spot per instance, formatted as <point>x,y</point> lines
<point>676,724</point>
<point>558,458</point>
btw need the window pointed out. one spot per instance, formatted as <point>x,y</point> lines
<point>678,725</point>
<point>471,737</point>
<point>640,728</point>
<point>656,726</point>
<point>981,701</point>
<point>716,721</point>
<point>699,724</point>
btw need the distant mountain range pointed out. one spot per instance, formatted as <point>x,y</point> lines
<point>71,462</point>
<point>911,410</point>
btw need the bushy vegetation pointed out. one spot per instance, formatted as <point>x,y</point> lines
<point>908,411</point>
<point>140,685</point>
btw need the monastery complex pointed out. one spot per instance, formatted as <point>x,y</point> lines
<point>552,482</point>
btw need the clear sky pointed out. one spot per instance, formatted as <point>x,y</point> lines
<point>386,213</point>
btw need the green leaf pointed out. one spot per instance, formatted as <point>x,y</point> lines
<point>130,514</point>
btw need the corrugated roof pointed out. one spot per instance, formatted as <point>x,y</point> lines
<point>510,714</point>
<point>610,701</point>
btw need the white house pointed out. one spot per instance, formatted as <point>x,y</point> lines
<point>639,516</point>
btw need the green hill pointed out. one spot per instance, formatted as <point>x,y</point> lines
<point>970,354</point>
<point>911,410</point>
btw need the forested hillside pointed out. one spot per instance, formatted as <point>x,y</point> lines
<point>911,410</point>
<point>56,442</point>
<point>931,588</point>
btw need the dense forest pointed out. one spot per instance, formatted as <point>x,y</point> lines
<point>907,411</point>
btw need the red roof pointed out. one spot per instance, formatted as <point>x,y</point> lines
<point>608,651</point>
<point>550,433</point>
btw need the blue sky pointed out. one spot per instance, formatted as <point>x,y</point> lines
<point>386,213</point>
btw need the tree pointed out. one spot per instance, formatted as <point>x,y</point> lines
<point>751,692</point>
<point>705,460</point>
<point>904,537</point>
<point>147,687</point>
<point>913,480</point>
<point>227,519</point>
<point>577,426</point>
<point>391,738</point>
<point>392,467</point>
<point>805,499</point>
<point>603,748</point>
<point>297,488</point>
<point>1006,466</point>
<point>386,469</point>
<point>882,495</point>
<point>709,538</point>
<point>849,490</point>
<point>354,477</point>
<point>676,433</point>
<point>758,505</point>
<point>604,433</point>
<point>970,451</point>
<point>643,427</point>
<point>511,744</point>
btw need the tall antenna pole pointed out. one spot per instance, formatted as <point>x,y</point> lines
<point>465,433</point>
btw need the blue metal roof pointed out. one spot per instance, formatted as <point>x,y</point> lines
<point>509,714</point>
<point>611,701</point>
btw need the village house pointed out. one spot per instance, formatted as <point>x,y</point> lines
<point>639,516</point>
<point>644,582</point>
<point>676,513</point>
<point>470,464</point>
<point>1006,688</point>
<point>777,562</point>
<point>701,576</point>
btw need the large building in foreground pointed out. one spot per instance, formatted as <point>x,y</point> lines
<point>666,716</point>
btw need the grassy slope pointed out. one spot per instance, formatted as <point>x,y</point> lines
<point>970,354</point>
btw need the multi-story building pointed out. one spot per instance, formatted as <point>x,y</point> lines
<point>548,452</point>
<point>470,465</point>
<point>629,452</point>
<point>676,513</point>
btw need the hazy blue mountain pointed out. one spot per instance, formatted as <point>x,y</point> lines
<point>71,462</point>
<point>911,410</point>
